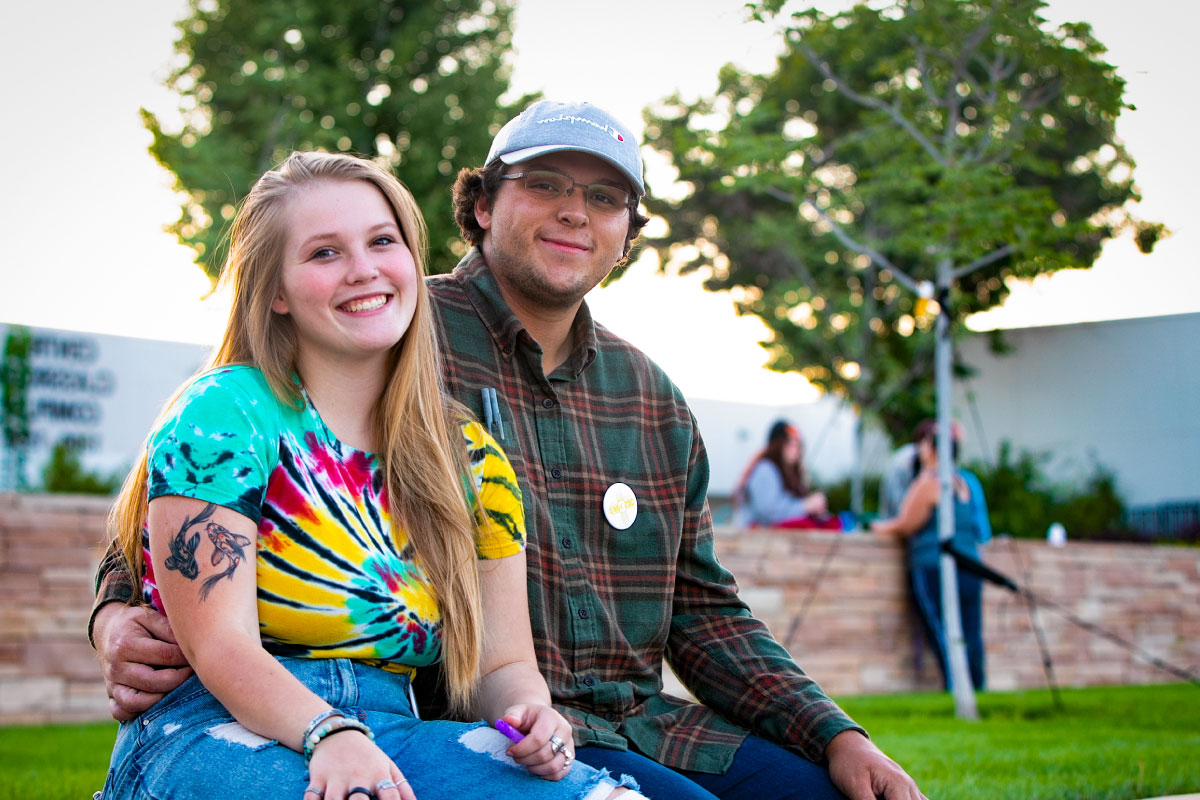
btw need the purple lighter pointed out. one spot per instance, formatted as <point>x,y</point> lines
<point>509,730</point>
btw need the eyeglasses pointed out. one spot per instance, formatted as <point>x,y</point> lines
<point>546,185</point>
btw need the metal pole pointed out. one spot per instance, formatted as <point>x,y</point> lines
<point>856,475</point>
<point>956,653</point>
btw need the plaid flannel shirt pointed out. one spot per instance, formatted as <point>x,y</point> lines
<point>607,606</point>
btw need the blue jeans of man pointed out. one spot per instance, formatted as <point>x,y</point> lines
<point>761,770</point>
<point>927,592</point>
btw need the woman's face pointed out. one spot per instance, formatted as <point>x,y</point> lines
<point>793,449</point>
<point>927,451</point>
<point>349,282</point>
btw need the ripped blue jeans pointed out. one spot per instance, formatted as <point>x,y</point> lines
<point>189,746</point>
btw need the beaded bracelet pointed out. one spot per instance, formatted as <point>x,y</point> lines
<point>317,720</point>
<point>336,725</point>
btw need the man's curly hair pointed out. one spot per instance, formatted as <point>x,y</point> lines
<point>485,181</point>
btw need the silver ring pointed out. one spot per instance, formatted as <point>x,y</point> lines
<point>386,783</point>
<point>557,745</point>
<point>567,764</point>
<point>315,790</point>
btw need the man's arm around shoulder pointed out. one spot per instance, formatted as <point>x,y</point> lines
<point>138,655</point>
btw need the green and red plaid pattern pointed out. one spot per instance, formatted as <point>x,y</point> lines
<point>608,605</point>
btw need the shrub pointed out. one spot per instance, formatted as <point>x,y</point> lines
<point>1023,501</point>
<point>64,473</point>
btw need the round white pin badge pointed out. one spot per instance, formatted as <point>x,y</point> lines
<point>620,506</point>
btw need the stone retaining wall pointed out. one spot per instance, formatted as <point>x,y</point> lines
<point>49,549</point>
<point>852,629</point>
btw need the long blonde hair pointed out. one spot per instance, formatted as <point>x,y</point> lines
<point>417,427</point>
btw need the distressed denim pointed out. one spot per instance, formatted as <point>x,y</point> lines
<point>189,746</point>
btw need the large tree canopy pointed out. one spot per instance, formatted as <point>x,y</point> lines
<point>891,139</point>
<point>413,82</point>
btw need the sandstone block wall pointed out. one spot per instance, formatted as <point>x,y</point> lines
<point>49,549</point>
<point>839,603</point>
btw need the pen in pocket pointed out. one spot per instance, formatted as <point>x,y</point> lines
<point>491,414</point>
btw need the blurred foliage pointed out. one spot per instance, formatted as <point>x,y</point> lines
<point>1023,501</point>
<point>837,495</point>
<point>415,83</point>
<point>64,474</point>
<point>15,376</point>
<point>893,138</point>
<point>16,373</point>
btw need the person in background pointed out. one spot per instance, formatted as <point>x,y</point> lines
<point>902,467</point>
<point>317,521</point>
<point>623,573</point>
<point>774,491</point>
<point>917,523</point>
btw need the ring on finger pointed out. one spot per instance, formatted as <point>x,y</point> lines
<point>568,762</point>
<point>557,745</point>
<point>359,790</point>
<point>315,790</point>
<point>386,783</point>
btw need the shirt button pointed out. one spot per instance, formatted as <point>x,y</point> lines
<point>547,402</point>
<point>583,613</point>
<point>567,543</point>
<point>508,351</point>
<point>556,473</point>
<point>610,716</point>
<point>589,681</point>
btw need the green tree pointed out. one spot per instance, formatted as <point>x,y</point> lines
<point>891,140</point>
<point>16,373</point>
<point>64,473</point>
<point>415,83</point>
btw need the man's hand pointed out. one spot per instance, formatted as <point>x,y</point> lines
<point>139,658</point>
<point>862,772</point>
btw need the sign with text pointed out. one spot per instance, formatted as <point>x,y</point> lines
<point>96,393</point>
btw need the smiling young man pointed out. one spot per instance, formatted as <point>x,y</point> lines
<point>622,569</point>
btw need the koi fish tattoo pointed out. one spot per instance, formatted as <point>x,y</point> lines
<point>183,547</point>
<point>226,545</point>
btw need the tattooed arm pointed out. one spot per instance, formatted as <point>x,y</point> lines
<point>204,564</point>
<point>208,590</point>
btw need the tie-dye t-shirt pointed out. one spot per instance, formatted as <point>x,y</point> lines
<point>336,579</point>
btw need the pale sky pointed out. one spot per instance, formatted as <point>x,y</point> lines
<point>84,204</point>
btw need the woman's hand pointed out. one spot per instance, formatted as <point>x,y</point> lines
<point>548,749</point>
<point>816,505</point>
<point>348,759</point>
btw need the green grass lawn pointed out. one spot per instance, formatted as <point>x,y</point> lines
<point>1115,743</point>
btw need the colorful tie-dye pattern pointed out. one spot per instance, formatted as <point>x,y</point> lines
<point>335,579</point>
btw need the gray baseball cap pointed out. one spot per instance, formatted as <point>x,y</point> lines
<point>549,126</point>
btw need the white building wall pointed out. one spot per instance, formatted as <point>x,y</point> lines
<point>100,392</point>
<point>1123,393</point>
